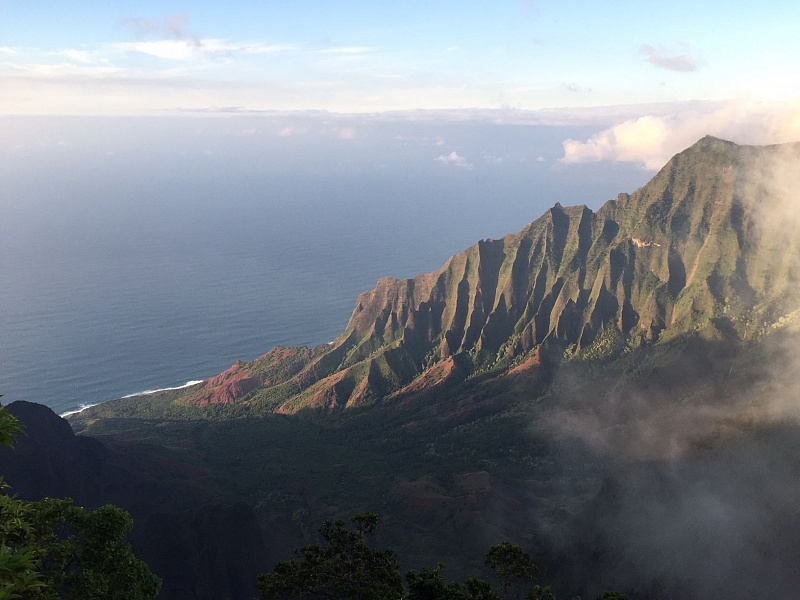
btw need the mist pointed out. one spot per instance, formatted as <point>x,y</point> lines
<point>696,443</point>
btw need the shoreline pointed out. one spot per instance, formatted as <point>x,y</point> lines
<point>144,393</point>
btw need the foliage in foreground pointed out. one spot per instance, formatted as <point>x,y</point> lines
<point>346,568</point>
<point>51,549</point>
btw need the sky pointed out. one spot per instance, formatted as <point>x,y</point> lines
<point>680,62</point>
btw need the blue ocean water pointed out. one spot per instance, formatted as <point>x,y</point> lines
<point>138,254</point>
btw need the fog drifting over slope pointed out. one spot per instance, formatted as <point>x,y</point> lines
<point>701,454</point>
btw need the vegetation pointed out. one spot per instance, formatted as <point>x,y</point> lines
<point>346,568</point>
<point>51,549</point>
<point>9,428</point>
<point>296,473</point>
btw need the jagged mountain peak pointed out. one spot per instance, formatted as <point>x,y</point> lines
<point>689,252</point>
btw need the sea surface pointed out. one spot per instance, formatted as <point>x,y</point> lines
<point>141,254</point>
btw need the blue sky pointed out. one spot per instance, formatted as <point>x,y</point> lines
<point>157,57</point>
<point>674,71</point>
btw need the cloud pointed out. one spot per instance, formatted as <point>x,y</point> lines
<point>455,160</point>
<point>195,48</point>
<point>78,55</point>
<point>651,140</point>
<point>640,140</point>
<point>574,87</point>
<point>346,133</point>
<point>660,58</point>
<point>7,50</point>
<point>227,48</point>
<point>68,72</point>
<point>171,28</point>
<point>166,49</point>
<point>174,25</point>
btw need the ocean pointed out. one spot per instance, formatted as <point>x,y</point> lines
<point>142,254</point>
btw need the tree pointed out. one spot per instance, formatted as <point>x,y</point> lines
<point>346,568</point>
<point>542,593</point>
<point>10,427</point>
<point>51,549</point>
<point>427,584</point>
<point>479,589</point>
<point>611,596</point>
<point>430,584</point>
<point>19,559</point>
<point>512,565</point>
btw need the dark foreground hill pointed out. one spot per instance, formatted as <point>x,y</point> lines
<point>200,548</point>
<point>615,390</point>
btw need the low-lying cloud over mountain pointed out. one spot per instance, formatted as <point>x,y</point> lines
<point>652,138</point>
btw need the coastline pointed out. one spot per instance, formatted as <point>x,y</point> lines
<point>83,407</point>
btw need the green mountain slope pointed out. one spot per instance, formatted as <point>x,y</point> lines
<point>697,250</point>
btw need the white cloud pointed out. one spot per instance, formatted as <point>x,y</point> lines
<point>661,58</point>
<point>166,49</point>
<point>172,28</point>
<point>640,140</point>
<point>195,48</point>
<point>455,160</point>
<point>249,48</point>
<point>78,55</point>
<point>7,50</point>
<point>575,88</point>
<point>651,140</point>
<point>68,72</point>
<point>346,133</point>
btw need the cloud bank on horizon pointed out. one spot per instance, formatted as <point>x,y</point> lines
<point>131,58</point>
<point>652,139</point>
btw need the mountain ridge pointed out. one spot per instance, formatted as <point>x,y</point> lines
<point>685,254</point>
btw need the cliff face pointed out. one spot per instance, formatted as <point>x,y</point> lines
<point>709,246</point>
<point>686,250</point>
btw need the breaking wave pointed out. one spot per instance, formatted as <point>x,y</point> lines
<point>82,407</point>
<point>166,389</point>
